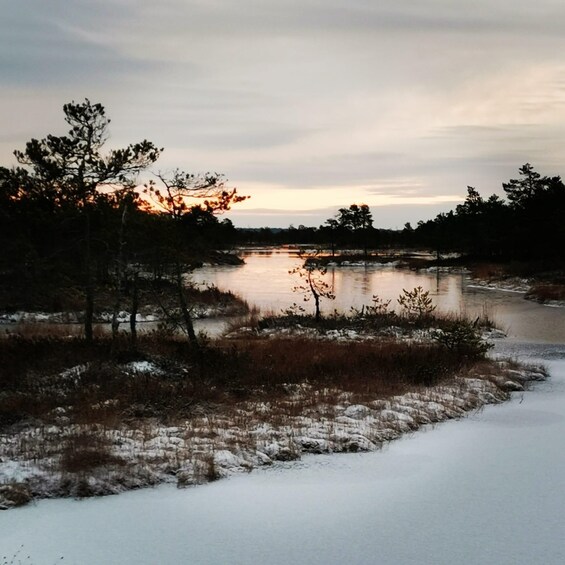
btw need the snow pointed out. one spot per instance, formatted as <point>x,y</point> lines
<point>151,315</point>
<point>509,284</point>
<point>486,489</point>
<point>218,444</point>
<point>143,367</point>
<point>357,411</point>
<point>407,335</point>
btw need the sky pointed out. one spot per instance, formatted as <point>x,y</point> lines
<point>305,105</point>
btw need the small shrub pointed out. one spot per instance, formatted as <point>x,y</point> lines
<point>464,339</point>
<point>312,284</point>
<point>294,310</point>
<point>378,306</point>
<point>416,303</point>
<point>13,495</point>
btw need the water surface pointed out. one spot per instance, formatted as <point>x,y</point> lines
<point>264,281</point>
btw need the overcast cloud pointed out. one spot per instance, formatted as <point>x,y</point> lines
<point>306,105</point>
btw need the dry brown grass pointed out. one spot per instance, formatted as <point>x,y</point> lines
<point>488,271</point>
<point>547,292</point>
<point>35,382</point>
<point>367,320</point>
<point>73,405</point>
<point>250,320</point>
<point>85,451</point>
<point>385,366</point>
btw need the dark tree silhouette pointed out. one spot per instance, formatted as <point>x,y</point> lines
<point>185,199</point>
<point>353,225</point>
<point>528,227</point>
<point>312,283</point>
<point>520,191</point>
<point>71,173</point>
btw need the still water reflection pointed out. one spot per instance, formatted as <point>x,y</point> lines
<point>264,281</point>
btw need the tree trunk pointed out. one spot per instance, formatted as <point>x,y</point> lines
<point>185,313</point>
<point>317,302</point>
<point>133,315</point>
<point>119,276</point>
<point>89,286</point>
<point>315,295</point>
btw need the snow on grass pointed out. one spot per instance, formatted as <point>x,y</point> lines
<point>70,459</point>
<point>405,334</point>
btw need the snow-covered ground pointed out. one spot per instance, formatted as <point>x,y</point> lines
<point>150,315</point>
<point>397,333</point>
<point>509,284</point>
<point>486,489</point>
<point>64,458</point>
<point>518,285</point>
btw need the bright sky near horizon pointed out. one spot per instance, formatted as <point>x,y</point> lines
<point>306,105</point>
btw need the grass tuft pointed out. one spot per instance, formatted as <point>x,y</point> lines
<point>85,451</point>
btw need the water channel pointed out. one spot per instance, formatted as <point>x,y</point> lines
<point>489,488</point>
<point>264,281</point>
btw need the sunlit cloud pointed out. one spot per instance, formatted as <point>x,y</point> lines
<point>311,198</point>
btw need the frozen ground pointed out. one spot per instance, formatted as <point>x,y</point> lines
<point>486,489</point>
<point>151,315</point>
<point>62,458</point>
<point>517,285</point>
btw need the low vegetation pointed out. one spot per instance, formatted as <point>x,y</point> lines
<point>547,292</point>
<point>80,418</point>
<point>374,319</point>
<point>154,297</point>
<point>95,382</point>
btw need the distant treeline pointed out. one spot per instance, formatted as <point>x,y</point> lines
<point>350,228</point>
<point>528,225</point>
